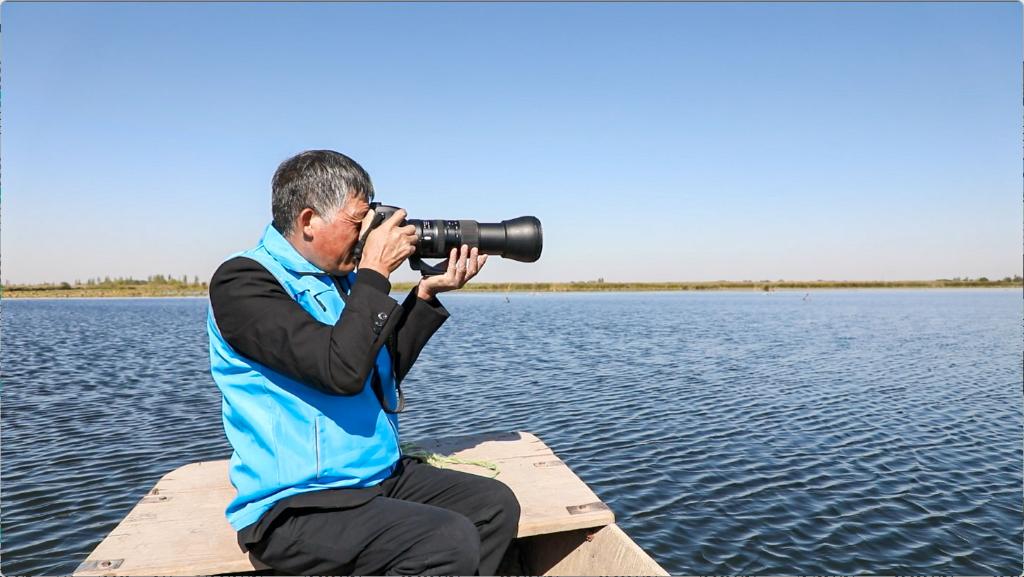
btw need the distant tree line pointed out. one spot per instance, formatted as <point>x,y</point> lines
<point>1006,279</point>
<point>169,285</point>
<point>601,285</point>
<point>153,285</point>
<point>114,282</point>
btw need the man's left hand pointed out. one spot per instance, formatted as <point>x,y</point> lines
<point>462,265</point>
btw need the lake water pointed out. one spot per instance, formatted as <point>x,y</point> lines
<point>847,432</point>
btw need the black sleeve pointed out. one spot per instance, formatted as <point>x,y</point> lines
<point>420,320</point>
<point>261,321</point>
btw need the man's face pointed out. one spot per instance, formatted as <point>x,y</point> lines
<point>334,237</point>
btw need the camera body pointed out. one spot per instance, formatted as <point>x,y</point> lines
<point>520,239</point>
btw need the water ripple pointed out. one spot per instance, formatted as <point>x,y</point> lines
<point>859,432</point>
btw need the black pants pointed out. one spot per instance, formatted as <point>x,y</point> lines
<point>428,521</point>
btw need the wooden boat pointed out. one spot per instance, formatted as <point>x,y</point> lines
<point>179,528</point>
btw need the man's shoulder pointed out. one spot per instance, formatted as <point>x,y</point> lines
<point>241,276</point>
<point>239,265</point>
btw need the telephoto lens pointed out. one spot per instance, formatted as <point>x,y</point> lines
<point>520,239</point>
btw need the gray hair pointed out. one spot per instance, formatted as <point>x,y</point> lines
<point>318,179</point>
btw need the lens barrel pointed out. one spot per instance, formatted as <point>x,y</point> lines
<point>520,239</point>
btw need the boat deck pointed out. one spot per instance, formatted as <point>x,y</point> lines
<point>179,528</point>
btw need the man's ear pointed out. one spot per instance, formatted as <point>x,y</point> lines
<point>305,223</point>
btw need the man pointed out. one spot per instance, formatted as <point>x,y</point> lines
<point>309,356</point>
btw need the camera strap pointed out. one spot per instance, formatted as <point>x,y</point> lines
<point>357,251</point>
<point>378,390</point>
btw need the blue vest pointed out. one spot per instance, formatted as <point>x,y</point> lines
<point>289,437</point>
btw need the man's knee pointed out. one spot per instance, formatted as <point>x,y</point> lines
<point>451,547</point>
<point>497,507</point>
<point>459,533</point>
<point>510,510</point>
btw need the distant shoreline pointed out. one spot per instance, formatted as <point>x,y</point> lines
<point>150,290</point>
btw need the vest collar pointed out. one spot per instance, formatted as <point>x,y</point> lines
<point>284,253</point>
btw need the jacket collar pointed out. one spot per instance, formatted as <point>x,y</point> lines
<point>284,253</point>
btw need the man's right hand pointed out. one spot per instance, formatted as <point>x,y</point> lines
<point>388,244</point>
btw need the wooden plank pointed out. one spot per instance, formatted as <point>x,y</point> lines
<point>179,528</point>
<point>551,496</point>
<point>489,446</point>
<point>605,551</point>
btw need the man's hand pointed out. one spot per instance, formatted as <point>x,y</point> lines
<point>462,265</point>
<point>388,244</point>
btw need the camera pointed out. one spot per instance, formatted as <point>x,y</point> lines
<point>520,239</point>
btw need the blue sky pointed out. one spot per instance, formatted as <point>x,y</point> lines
<point>654,141</point>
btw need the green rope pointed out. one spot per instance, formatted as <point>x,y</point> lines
<point>438,460</point>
